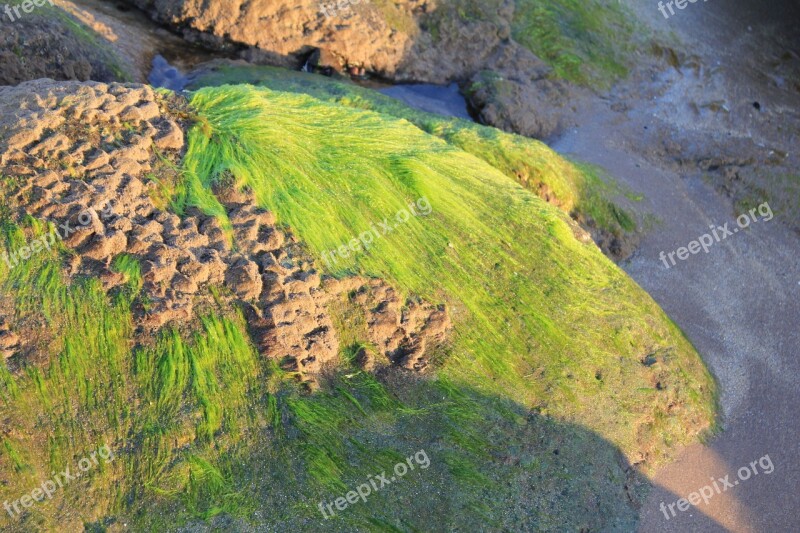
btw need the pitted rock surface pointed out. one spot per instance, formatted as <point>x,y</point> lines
<point>405,331</point>
<point>81,155</point>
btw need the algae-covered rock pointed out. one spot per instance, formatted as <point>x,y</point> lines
<point>302,295</point>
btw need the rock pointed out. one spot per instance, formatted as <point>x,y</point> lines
<point>182,283</point>
<point>149,110</point>
<point>111,279</point>
<point>197,272</point>
<point>105,247</point>
<point>121,224</point>
<point>8,340</point>
<point>131,114</point>
<point>356,38</point>
<point>217,267</point>
<point>98,160</point>
<point>518,95</point>
<point>170,136</point>
<point>405,331</point>
<point>244,279</point>
<point>359,39</point>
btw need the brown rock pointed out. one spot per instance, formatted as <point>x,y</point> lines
<point>182,283</point>
<point>244,279</point>
<point>170,137</point>
<point>131,114</point>
<point>98,160</point>
<point>105,247</point>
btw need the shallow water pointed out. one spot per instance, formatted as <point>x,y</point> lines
<point>438,99</point>
<point>166,76</point>
<point>442,100</point>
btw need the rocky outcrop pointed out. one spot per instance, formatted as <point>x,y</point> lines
<point>357,34</point>
<point>81,155</point>
<point>405,41</point>
<point>518,95</point>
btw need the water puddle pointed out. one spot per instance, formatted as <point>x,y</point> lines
<point>165,75</point>
<point>442,100</point>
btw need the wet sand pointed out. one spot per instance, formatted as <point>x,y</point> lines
<point>740,303</point>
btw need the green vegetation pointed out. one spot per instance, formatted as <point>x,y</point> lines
<point>396,17</point>
<point>589,42</point>
<point>351,173</point>
<point>533,164</point>
<point>100,389</point>
<point>442,20</point>
<point>585,41</point>
<point>557,363</point>
<point>129,266</point>
<point>595,200</point>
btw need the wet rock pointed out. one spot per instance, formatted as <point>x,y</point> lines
<point>165,75</point>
